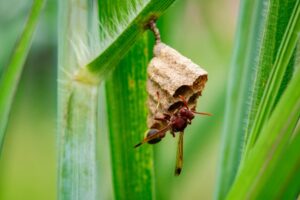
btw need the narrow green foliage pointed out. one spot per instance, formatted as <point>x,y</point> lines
<point>10,77</point>
<point>126,104</point>
<point>119,41</point>
<point>240,84</point>
<point>126,91</point>
<point>272,72</point>
<point>270,165</point>
<point>284,185</point>
<point>77,102</point>
<point>263,174</point>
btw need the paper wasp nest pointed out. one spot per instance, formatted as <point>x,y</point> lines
<point>170,74</point>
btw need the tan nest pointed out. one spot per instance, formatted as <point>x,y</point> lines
<point>170,74</point>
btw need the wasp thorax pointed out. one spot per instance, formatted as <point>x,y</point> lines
<point>178,123</point>
<point>172,75</point>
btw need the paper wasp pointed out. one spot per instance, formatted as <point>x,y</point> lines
<point>176,122</point>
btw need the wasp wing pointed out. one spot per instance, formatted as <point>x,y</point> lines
<point>159,134</point>
<point>179,156</point>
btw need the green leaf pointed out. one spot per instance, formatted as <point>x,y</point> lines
<point>239,89</point>
<point>118,35</point>
<point>260,174</point>
<point>274,63</point>
<point>127,116</point>
<point>10,77</point>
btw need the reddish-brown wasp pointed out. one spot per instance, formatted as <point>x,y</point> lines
<point>176,122</point>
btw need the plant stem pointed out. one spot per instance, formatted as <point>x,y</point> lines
<point>77,101</point>
<point>77,163</point>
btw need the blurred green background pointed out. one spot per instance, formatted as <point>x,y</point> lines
<point>202,30</point>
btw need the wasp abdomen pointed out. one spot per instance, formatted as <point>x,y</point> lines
<point>152,132</point>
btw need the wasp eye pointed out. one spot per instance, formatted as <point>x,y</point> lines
<point>152,132</point>
<point>192,116</point>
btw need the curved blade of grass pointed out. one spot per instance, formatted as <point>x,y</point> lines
<point>10,77</point>
<point>77,101</point>
<point>240,88</point>
<point>286,185</point>
<point>272,88</point>
<point>117,40</point>
<point>265,160</point>
<point>127,111</point>
<point>276,22</point>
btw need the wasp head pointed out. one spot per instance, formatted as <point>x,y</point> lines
<point>186,113</point>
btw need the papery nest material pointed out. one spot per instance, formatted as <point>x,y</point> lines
<point>170,74</point>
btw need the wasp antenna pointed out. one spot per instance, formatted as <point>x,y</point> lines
<point>202,113</point>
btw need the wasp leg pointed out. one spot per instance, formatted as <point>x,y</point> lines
<point>172,133</point>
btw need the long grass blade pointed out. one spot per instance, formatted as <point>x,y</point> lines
<point>10,77</point>
<point>275,76</point>
<point>126,98</point>
<point>265,160</point>
<point>240,88</point>
<point>278,14</point>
